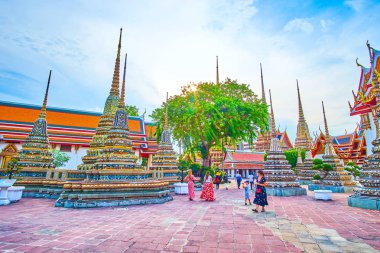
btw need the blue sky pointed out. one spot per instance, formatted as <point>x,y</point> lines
<point>172,43</point>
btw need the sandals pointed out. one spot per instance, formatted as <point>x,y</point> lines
<point>255,210</point>
<point>263,211</point>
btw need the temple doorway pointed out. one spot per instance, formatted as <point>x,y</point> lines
<point>6,154</point>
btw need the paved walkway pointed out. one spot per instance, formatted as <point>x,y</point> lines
<point>291,224</point>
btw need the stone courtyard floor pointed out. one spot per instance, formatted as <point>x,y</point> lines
<point>291,224</point>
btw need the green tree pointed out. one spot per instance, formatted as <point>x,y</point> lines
<point>292,155</point>
<point>132,110</point>
<point>183,166</point>
<point>12,167</point>
<point>324,170</point>
<point>206,114</point>
<point>353,169</point>
<point>60,158</point>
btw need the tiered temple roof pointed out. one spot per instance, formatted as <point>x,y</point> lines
<point>348,147</point>
<point>34,157</point>
<point>242,160</point>
<point>366,102</point>
<point>165,160</point>
<point>281,179</point>
<point>303,139</point>
<point>365,97</point>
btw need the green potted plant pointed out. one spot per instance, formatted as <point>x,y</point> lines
<point>353,169</point>
<point>324,170</point>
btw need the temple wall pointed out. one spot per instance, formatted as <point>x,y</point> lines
<point>75,154</point>
<point>75,157</point>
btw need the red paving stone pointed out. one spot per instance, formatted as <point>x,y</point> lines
<point>226,225</point>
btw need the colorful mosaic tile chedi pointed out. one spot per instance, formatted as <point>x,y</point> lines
<point>281,180</point>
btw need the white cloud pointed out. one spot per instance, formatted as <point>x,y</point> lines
<point>356,5</point>
<point>299,25</point>
<point>325,25</point>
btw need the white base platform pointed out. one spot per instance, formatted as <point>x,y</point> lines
<point>4,185</point>
<point>15,193</point>
<point>323,194</point>
<point>181,188</point>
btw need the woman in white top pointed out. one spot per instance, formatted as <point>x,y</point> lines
<point>208,188</point>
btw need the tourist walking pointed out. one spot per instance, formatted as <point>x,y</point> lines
<point>260,193</point>
<point>238,179</point>
<point>217,179</point>
<point>226,181</point>
<point>246,193</point>
<point>250,179</point>
<point>207,190</point>
<point>190,184</point>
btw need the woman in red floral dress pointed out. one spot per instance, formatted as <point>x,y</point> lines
<point>208,188</point>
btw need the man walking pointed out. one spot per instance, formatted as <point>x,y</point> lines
<point>250,179</point>
<point>238,179</point>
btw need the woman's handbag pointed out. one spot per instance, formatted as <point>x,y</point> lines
<point>258,191</point>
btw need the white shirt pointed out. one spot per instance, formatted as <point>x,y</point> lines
<point>208,180</point>
<point>250,177</point>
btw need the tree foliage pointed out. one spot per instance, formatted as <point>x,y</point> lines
<point>353,169</point>
<point>206,114</point>
<point>292,155</point>
<point>12,167</point>
<point>132,110</point>
<point>60,158</point>
<point>323,168</point>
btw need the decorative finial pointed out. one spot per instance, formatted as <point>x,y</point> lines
<point>301,117</point>
<point>217,70</point>
<point>166,112</point>
<point>369,51</point>
<point>116,72</point>
<point>353,94</point>
<point>273,124</point>
<point>143,116</point>
<point>326,127</point>
<point>262,85</point>
<point>357,63</point>
<point>43,108</point>
<point>122,95</point>
<point>349,104</point>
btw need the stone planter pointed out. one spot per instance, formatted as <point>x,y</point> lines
<point>181,188</point>
<point>15,193</point>
<point>323,194</point>
<point>4,185</point>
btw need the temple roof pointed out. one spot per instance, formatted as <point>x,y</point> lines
<point>244,160</point>
<point>347,146</point>
<point>67,126</point>
<point>365,97</point>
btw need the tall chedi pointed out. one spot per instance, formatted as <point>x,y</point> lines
<point>117,160</point>
<point>106,119</point>
<point>35,159</point>
<point>116,179</point>
<point>281,179</point>
<point>303,141</point>
<point>337,180</point>
<point>263,140</point>
<point>164,162</point>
